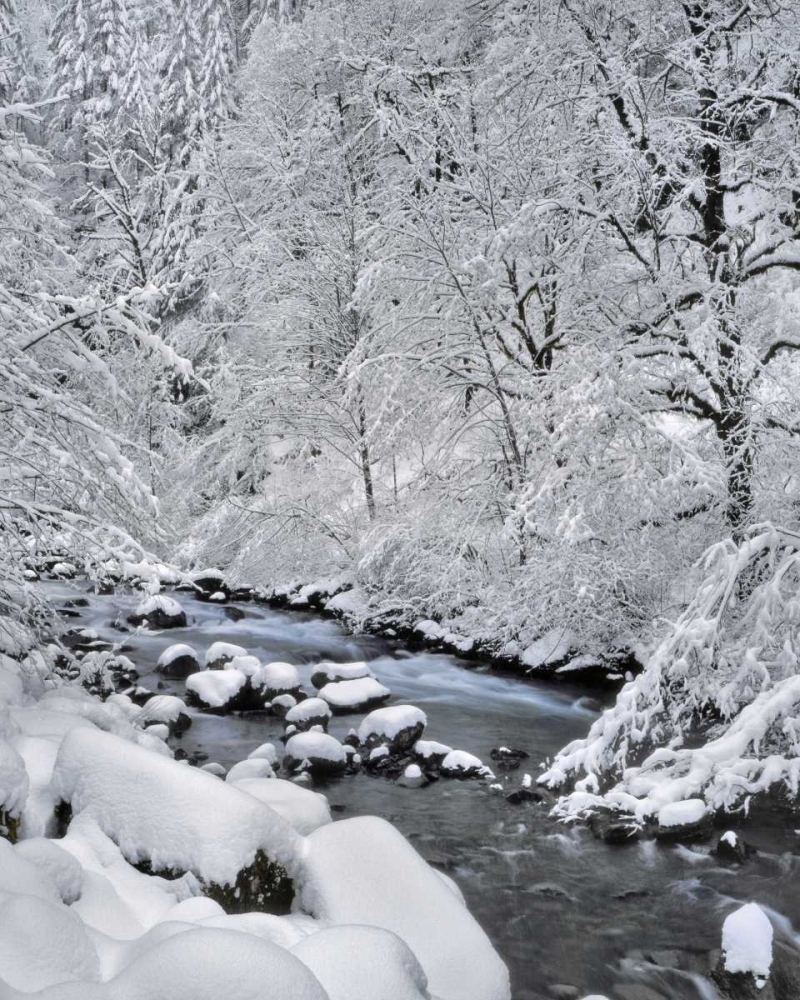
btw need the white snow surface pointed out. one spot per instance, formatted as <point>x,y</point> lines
<point>343,671</point>
<point>350,694</point>
<point>174,652</point>
<point>176,817</point>
<point>303,809</point>
<point>310,708</point>
<point>430,748</point>
<point>747,941</point>
<point>278,676</point>
<point>255,768</point>
<point>158,602</point>
<point>363,871</point>
<point>682,813</point>
<point>363,963</point>
<point>162,708</point>
<point>245,663</point>
<point>549,648</point>
<point>220,650</point>
<point>460,760</point>
<point>215,688</point>
<point>390,722</point>
<point>304,746</point>
<point>266,751</point>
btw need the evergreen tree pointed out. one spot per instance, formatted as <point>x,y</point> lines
<point>110,53</point>
<point>218,60</point>
<point>71,74</point>
<point>180,90</point>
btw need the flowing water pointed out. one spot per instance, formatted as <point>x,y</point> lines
<point>635,922</point>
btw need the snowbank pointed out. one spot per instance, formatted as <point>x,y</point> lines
<point>176,818</point>
<point>363,871</point>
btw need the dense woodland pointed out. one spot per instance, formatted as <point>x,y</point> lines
<point>489,307</point>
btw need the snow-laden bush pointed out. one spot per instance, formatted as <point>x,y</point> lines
<point>726,675</point>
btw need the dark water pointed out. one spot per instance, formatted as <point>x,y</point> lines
<point>635,923</point>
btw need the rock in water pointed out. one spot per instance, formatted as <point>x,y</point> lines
<point>730,847</point>
<point>179,660</point>
<point>399,727</point>
<point>159,612</point>
<point>321,754</point>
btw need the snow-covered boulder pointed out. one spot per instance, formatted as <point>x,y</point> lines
<point>303,809</point>
<point>689,819</point>
<point>308,713</point>
<point>330,673</point>
<point>460,764</point>
<point>158,612</point>
<point>732,848</point>
<point>363,871</point>
<point>14,787</point>
<point>399,727</point>
<point>178,660</point>
<point>165,709</point>
<point>246,663</point>
<point>56,864</point>
<point>216,690</point>
<point>363,963</point>
<point>354,695</point>
<point>320,753</point>
<point>279,678</point>
<point>746,961</point>
<point>220,653</point>
<point>176,819</point>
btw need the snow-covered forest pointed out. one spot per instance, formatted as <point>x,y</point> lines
<point>449,333</point>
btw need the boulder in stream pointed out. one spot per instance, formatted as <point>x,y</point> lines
<point>158,612</point>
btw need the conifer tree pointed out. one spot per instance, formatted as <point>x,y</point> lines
<point>218,61</point>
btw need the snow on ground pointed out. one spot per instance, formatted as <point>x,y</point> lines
<point>363,871</point>
<point>157,810</point>
<point>747,941</point>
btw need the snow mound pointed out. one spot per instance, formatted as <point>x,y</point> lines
<point>43,943</point>
<point>177,818</point>
<point>255,768</point>
<point>747,941</point>
<point>57,865</point>
<point>354,695</point>
<point>302,808</point>
<point>14,781</point>
<point>431,750</point>
<point>219,653</point>
<point>363,963</point>
<point>216,688</point>
<point>266,751</point>
<point>206,964</point>
<point>363,871</point>
<point>550,648</point>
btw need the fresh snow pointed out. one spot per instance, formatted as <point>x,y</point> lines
<point>363,871</point>
<point>175,652</point>
<point>278,677</point>
<point>682,813</point>
<point>303,809</point>
<point>310,708</point>
<point>552,647</point>
<point>159,602</point>
<point>304,746</point>
<point>222,651</point>
<point>352,694</point>
<point>387,723</point>
<point>747,941</point>
<point>216,688</point>
<point>178,818</point>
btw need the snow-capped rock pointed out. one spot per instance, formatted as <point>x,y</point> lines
<point>256,767</point>
<point>278,678</point>
<point>159,612</point>
<point>323,753</point>
<point>330,673</point>
<point>460,764</point>
<point>358,695</point>
<point>689,819</point>
<point>220,653</point>
<point>178,660</point>
<point>302,808</point>
<point>167,710</point>
<point>308,713</point>
<point>399,726</point>
<point>216,690</point>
